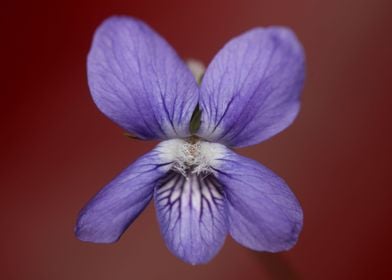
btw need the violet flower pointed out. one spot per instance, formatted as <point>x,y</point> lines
<point>202,189</point>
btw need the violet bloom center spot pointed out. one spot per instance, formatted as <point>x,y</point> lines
<point>192,156</point>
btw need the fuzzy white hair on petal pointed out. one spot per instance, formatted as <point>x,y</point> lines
<point>196,157</point>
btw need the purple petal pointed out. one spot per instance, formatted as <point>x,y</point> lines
<point>251,89</point>
<point>138,80</point>
<point>264,214</point>
<point>191,216</point>
<point>115,207</point>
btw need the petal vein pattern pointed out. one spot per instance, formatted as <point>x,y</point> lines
<point>251,89</point>
<point>137,80</point>
<point>191,214</point>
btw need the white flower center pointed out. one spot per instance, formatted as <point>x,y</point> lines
<point>191,157</point>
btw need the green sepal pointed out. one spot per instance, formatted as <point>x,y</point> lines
<point>131,136</point>
<point>195,120</point>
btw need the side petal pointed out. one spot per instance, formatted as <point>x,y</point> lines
<point>191,215</point>
<point>264,214</point>
<point>138,80</point>
<point>109,213</point>
<point>251,89</point>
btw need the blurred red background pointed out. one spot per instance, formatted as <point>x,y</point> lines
<point>58,149</point>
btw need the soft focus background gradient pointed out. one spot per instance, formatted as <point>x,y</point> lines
<point>57,149</point>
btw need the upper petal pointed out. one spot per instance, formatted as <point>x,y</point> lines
<point>264,214</point>
<point>109,213</point>
<point>138,80</point>
<point>192,216</point>
<point>251,89</point>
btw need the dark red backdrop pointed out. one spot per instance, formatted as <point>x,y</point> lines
<point>57,149</point>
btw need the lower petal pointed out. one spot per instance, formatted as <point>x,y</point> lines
<point>116,206</point>
<point>191,214</point>
<point>264,214</point>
